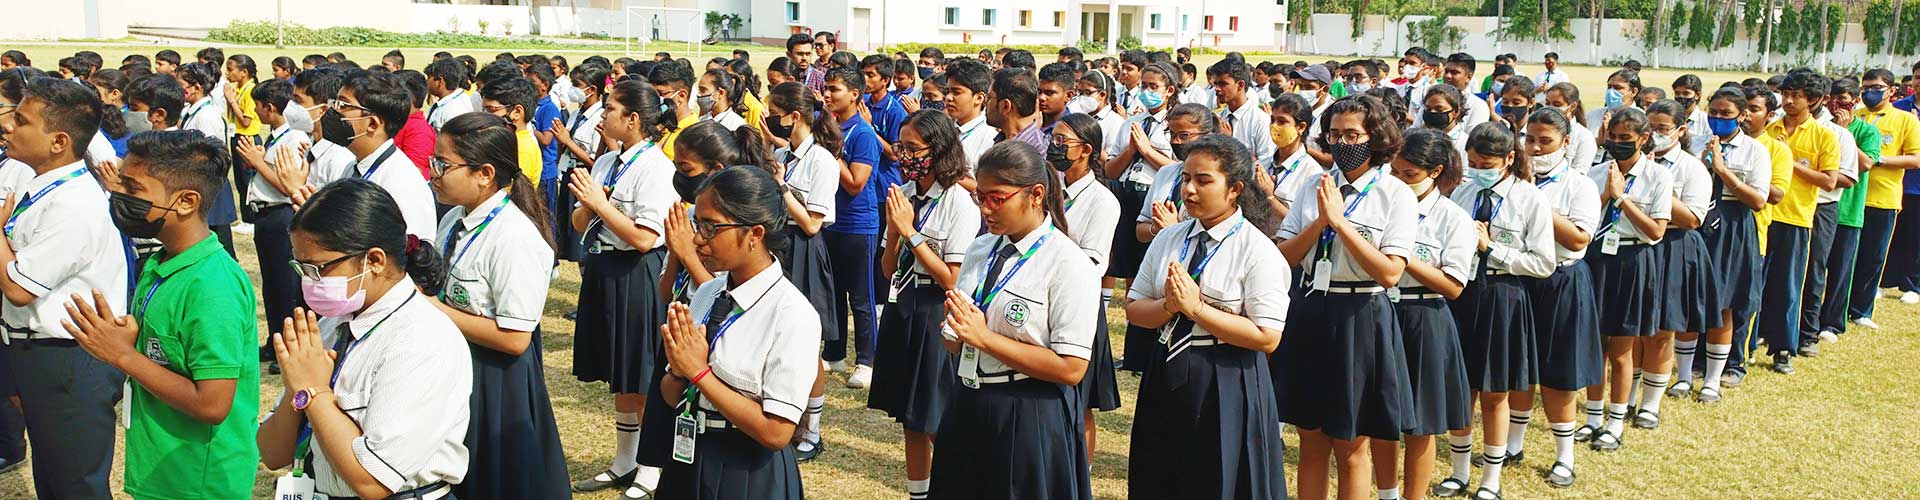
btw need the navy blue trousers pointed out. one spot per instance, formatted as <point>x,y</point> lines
<point>1903,256</point>
<point>1779,321</point>
<point>1840,264</point>
<point>1876,233</point>
<point>852,259</point>
<point>1820,270</point>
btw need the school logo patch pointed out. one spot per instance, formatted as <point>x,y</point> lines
<point>1506,237</point>
<point>1423,253</point>
<point>1017,313</point>
<point>155,353</point>
<point>1365,233</point>
<point>458,295</point>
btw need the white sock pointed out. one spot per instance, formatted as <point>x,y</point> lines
<point>649,477</point>
<point>1683,357</point>
<point>815,407</point>
<point>1716,363</point>
<point>1495,457</point>
<point>1633,391</point>
<point>1654,390</point>
<point>1106,297</point>
<point>1595,410</point>
<point>1389,493</point>
<point>626,442</point>
<point>1462,448</point>
<point>917,488</point>
<point>1563,442</point>
<point>1616,418</point>
<point>1517,429</point>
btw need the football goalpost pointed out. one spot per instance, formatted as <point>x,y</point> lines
<point>651,24</point>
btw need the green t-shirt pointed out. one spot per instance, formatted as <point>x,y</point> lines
<point>196,318</point>
<point>1853,201</point>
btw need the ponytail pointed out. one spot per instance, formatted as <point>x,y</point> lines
<point>794,97</point>
<point>424,265</point>
<point>527,199</point>
<point>482,138</point>
<point>753,148</point>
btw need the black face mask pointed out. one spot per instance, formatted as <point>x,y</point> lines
<point>334,129</point>
<point>1349,157</point>
<point>130,215</point>
<point>689,185</point>
<point>1437,120</point>
<point>1686,103</point>
<point>934,105</point>
<point>1057,156</point>
<point>781,131</point>
<point>1620,150</point>
<point>1180,150</point>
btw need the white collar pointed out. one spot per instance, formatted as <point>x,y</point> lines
<point>1025,244</point>
<point>473,219</point>
<point>1218,232</point>
<point>1080,186</point>
<point>755,287</point>
<point>389,305</point>
<point>367,163</point>
<point>43,180</point>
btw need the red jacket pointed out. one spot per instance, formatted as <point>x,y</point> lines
<point>416,140</point>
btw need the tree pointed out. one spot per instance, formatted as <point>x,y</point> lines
<point>1700,30</point>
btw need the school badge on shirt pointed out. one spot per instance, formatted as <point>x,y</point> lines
<point>1423,253</point>
<point>1017,313</point>
<point>458,295</point>
<point>1506,237</point>
<point>155,353</point>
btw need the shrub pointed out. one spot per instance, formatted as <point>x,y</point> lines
<point>262,33</point>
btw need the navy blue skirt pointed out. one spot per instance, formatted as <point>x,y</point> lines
<point>1436,369</point>
<point>1123,259</point>
<point>1098,388</point>
<point>1341,368</point>
<point>1143,346</point>
<point>513,445</point>
<point>1017,440</point>
<point>913,374</point>
<point>1497,333</point>
<point>729,465</point>
<point>1735,251</point>
<point>1206,427</point>
<point>563,234</point>
<point>1625,290</point>
<point>1567,329</point>
<point>616,337</point>
<point>1688,292</point>
<point>807,266</point>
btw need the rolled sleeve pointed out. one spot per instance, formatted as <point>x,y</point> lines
<point>1266,300</point>
<point>1076,305</point>
<point>790,371</point>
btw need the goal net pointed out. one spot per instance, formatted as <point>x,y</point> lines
<point>650,29</point>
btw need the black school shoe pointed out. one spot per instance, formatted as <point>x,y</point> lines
<point>1486,494</point>
<point>1604,441</point>
<point>1585,433</point>
<point>9,464</point>
<point>1450,488</point>
<point>1646,420</point>
<point>805,452</point>
<point>1480,459</point>
<point>594,483</point>
<point>1560,475</point>
<point>1782,363</point>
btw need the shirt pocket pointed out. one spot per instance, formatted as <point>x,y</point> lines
<point>739,365</point>
<point>1506,233</point>
<point>468,291</point>
<point>1223,291</point>
<point>1020,313</point>
<point>163,350</point>
<point>1428,249</point>
<point>1371,225</point>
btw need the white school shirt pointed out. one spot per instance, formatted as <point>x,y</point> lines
<point>1293,172</point>
<point>1477,111</point>
<point>643,190</point>
<point>1849,156</point>
<point>1521,230</point>
<point>1571,194</point>
<point>204,117</point>
<point>1158,136</point>
<point>1251,125</point>
<point>813,176</point>
<point>1245,274</point>
<point>1698,131</point>
<point>584,129</point>
<point>261,193</point>
<point>456,103</point>
<point>1692,183</point>
<point>975,138</point>
<point>1051,301</point>
<point>1113,127</point>
<point>328,162</point>
<point>1386,217</point>
<point>1090,210</point>
<point>1447,240</point>
<point>1165,188</point>
<point>401,179</point>
<point>769,353</point>
<point>499,271</point>
<point>729,119</point>
<point>1201,94</point>
<point>405,379</point>
<point>1584,149</point>
<point>64,245</point>
<point>1548,78</point>
<point>101,148</point>
<point>1651,190</point>
<point>949,219</point>
<point>13,175</point>
<point>1750,161</point>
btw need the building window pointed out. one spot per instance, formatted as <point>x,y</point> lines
<point>1059,18</point>
<point>1183,22</point>
<point>987,17</point>
<point>1153,22</point>
<point>953,16</point>
<point>1233,23</point>
<point>1206,23</point>
<point>793,12</point>
<point>1026,18</point>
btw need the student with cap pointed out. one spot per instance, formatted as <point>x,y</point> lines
<point>1354,242</point>
<point>1214,289</point>
<point>808,173</point>
<point>1132,164</point>
<point>1023,340</point>
<point>1742,173</point>
<point>930,223</point>
<point>624,201</point>
<point>60,243</point>
<point>367,408</point>
<point>1441,266</point>
<point>1075,150</point>
<point>376,106</point>
<point>188,341</point>
<point>495,294</point>
<point>1313,84</point>
<point>1816,166</point>
<point>1637,196</point>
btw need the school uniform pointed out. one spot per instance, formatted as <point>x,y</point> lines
<point>1140,345</point>
<point>729,119</point>
<point>1341,368</point>
<point>1851,217</point>
<point>812,175</point>
<point>456,103</point>
<point>328,162</point>
<point>618,337</point>
<point>1733,239</point>
<point>1566,323</point>
<point>1826,226</point>
<point>1687,292</point>
<point>1204,427</point>
<point>761,336</point>
<point>1436,368</point>
<point>497,268</point>
<point>1626,287</point>
<point>1090,208</point>
<point>1294,171</point>
<point>975,138</point>
<point>1788,238</point>
<point>397,354</point>
<point>272,240</point>
<point>584,128</point>
<point>1496,312</point>
<point>1131,187</point>
<point>1252,127</point>
<point>396,174</point>
<point>64,245</point>
<point>1112,128</point>
<point>912,379</point>
<point>1476,111</point>
<point>1584,151</point>
<point>1886,191</point>
<point>1008,435</point>
<point>207,117</point>
<point>13,427</point>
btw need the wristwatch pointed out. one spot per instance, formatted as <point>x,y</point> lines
<point>305,397</point>
<point>916,240</point>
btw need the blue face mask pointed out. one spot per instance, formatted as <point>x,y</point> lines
<point>926,73</point>
<point>1150,99</point>
<point>1723,127</point>
<point>1615,98</point>
<point>1484,177</point>
<point>1873,98</point>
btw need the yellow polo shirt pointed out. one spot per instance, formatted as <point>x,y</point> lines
<point>1816,145</point>
<point>1899,135</point>
<point>244,97</point>
<point>666,143</point>
<point>1782,160</point>
<point>756,110</point>
<point>529,149</point>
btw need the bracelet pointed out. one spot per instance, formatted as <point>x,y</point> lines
<point>703,374</point>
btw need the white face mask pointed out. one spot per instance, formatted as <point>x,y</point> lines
<point>1545,163</point>
<point>1312,96</point>
<point>1083,104</point>
<point>1420,188</point>
<point>1408,71</point>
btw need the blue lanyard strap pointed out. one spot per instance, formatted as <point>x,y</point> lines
<point>379,160</point>
<point>1613,212</point>
<point>692,393</point>
<point>920,220</point>
<point>621,171</point>
<point>37,196</point>
<point>142,312</point>
<point>1202,266</point>
<point>482,226</point>
<point>984,294</point>
<point>1326,235</point>
<point>306,429</point>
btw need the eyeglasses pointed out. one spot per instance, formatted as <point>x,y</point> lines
<point>1066,143</point>
<point>338,105</point>
<point>1346,137</point>
<point>440,167</point>
<point>312,272</point>
<point>708,229</point>
<point>913,152</point>
<point>1186,137</point>
<point>7,109</point>
<point>992,201</point>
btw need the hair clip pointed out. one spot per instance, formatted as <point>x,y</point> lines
<point>413,243</point>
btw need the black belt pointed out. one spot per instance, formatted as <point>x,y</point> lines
<point>420,492</point>
<point>258,207</point>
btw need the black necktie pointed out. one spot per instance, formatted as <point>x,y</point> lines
<point>1001,257</point>
<point>342,338</point>
<point>1182,326</point>
<point>453,239</point>
<point>1482,212</point>
<point>1711,219</point>
<point>722,307</point>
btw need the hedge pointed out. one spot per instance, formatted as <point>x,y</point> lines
<point>263,33</point>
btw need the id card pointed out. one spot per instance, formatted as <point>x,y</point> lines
<point>1610,243</point>
<point>895,285</point>
<point>123,406</point>
<point>295,488</point>
<point>1322,275</point>
<point>685,431</point>
<point>1393,295</point>
<point>969,367</point>
<point>1166,332</point>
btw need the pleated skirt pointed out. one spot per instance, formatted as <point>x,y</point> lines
<point>1017,440</point>
<point>513,445</point>
<point>1098,389</point>
<point>807,266</point>
<point>617,333</point>
<point>1497,333</point>
<point>1342,368</point>
<point>1123,259</point>
<point>1143,346</point>
<point>1688,292</point>
<point>1625,291</point>
<point>1567,329</point>
<point>1436,369</point>
<point>1206,426</point>
<point>1734,249</point>
<point>729,465</point>
<point>913,374</point>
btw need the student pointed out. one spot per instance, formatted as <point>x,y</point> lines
<point>1056,89</point>
<point>1163,205</point>
<point>59,247</point>
<point>1816,160</point>
<point>1565,97</point>
<point>1686,290</point>
<point>1638,197</point>
<point>1759,108</point>
<point>674,83</point>
<point>853,238</point>
<point>753,108</point>
<point>1826,224</point>
<point>1313,85</point>
<point>1441,266</point>
<point>719,96</point>
<point>1093,96</point>
<point>447,82</point>
<point>13,174</point>
<point>495,296</point>
<point>624,202</point>
<point>1023,339</point>
<point>579,147</point>
<point>1204,427</point>
<point>882,108</point>
<point>376,106</point>
<point>930,222</point>
<point>545,111</point>
<point>513,99</point>
<point>968,83</point>
<point>416,138</point>
<point>1899,150</point>
<point>809,172</point>
<point>708,147</point>
<point>742,352</point>
<point>1132,162</point>
<point>1688,92</point>
<point>1741,168</point>
<point>1240,113</point>
<point>201,114</point>
<point>378,417</point>
<point>1075,150</point>
<point>1012,108</point>
<point>1457,72</point>
<point>111,85</point>
<point>1291,166</point>
<point>1623,90</point>
<point>188,344</point>
<point>1831,319</point>
<point>328,159</point>
<point>782,70</point>
<point>14,59</point>
<point>240,76</point>
<point>270,195</point>
<point>1444,109</point>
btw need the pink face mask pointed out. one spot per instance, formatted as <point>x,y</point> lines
<point>328,295</point>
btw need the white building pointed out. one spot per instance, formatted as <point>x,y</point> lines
<point>869,24</point>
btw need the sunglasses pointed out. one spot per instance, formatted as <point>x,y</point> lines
<point>312,272</point>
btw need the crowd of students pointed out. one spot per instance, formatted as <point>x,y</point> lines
<point>1368,256</point>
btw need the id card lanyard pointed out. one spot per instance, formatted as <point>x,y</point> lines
<point>37,196</point>
<point>903,272</point>
<point>983,295</point>
<point>1323,267</point>
<point>1610,239</point>
<point>1166,334</point>
<point>691,420</point>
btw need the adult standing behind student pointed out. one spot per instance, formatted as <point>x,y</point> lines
<point>376,107</point>
<point>240,74</point>
<point>60,244</point>
<point>1553,74</point>
<point>188,340</point>
<point>447,83</point>
<point>203,115</point>
<point>1013,108</point>
<point>368,407</point>
<point>495,295</point>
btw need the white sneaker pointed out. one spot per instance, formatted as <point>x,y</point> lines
<point>242,228</point>
<point>1866,323</point>
<point>837,366</point>
<point>861,378</point>
<point>1829,336</point>
<point>1910,298</point>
